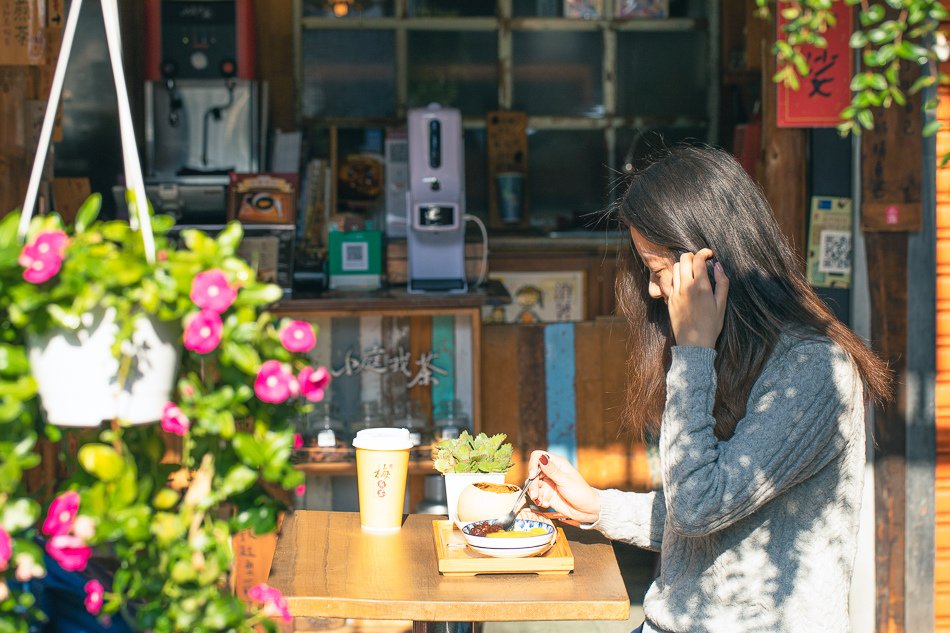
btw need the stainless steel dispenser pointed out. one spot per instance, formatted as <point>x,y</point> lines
<point>435,234</point>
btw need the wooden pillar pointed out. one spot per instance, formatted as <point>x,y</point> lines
<point>891,164</point>
<point>784,174</point>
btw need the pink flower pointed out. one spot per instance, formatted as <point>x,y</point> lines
<point>6,549</point>
<point>43,258</point>
<point>61,514</point>
<point>300,490</point>
<point>173,420</point>
<point>203,331</point>
<point>313,383</point>
<point>298,336</point>
<point>210,291</point>
<point>51,242</point>
<point>298,441</point>
<point>275,605</point>
<point>94,595</point>
<point>275,382</point>
<point>71,552</point>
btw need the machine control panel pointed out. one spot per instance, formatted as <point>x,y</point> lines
<point>198,39</point>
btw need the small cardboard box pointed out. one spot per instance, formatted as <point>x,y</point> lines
<point>355,259</point>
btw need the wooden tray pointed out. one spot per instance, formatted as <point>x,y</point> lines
<point>457,559</point>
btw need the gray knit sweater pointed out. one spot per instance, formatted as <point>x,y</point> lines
<point>757,533</point>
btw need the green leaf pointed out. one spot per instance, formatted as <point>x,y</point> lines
<point>249,450</point>
<point>238,479</point>
<point>858,40</point>
<point>101,461</point>
<point>866,119</point>
<point>875,13</point>
<point>899,97</point>
<point>931,128</point>
<point>88,212</point>
<point>135,523</point>
<point>922,82</point>
<point>230,237</point>
<point>877,81</point>
<point>801,64</point>
<point>262,295</point>
<point>165,499</point>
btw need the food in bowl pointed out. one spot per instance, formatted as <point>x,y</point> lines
<point>493,530</point>
<point>524,535</point>
<point>483,500</point>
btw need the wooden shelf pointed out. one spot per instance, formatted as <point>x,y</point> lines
<point>332,469</point>
<point>396,298</point>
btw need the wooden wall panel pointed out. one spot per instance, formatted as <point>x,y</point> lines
<point>784,160</point>
<point>942,397</point>
<point>515,382</point>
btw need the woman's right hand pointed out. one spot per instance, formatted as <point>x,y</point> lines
<point>561,487</point>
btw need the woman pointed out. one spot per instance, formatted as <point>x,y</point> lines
<point>758,395</point>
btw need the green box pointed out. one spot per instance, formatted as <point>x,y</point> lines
<point>355,259</point>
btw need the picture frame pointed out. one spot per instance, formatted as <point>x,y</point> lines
<point>263,198</point>
<point>540,297</point>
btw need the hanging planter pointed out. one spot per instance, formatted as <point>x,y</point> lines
<point>81,383</point>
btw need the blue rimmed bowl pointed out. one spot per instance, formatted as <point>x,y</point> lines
<point>510,543</point>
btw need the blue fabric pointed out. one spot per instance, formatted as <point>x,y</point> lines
<point>60,595</point>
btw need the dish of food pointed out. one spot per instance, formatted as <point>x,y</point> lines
<point>524,534</point>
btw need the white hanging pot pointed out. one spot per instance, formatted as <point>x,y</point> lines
<point>78,377</point>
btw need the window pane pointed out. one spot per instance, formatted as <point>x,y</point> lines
<point>662,74</point>
<point>457,69</point>
<point>558,73</point>
<point>636,147</point>
<point>348,73</point>
<point>537,8</point>
<point>476,173</point>
<point>566,177</point>
<point>451,8</point>
<point>351,9</point>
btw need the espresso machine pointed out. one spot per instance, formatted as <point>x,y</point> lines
<point>435,226</point>
<point>203,116</point>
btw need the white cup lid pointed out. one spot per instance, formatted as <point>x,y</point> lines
<point>383,439</point>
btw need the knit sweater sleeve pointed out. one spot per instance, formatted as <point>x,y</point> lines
<point>632,517</point>
<point>796,421</point>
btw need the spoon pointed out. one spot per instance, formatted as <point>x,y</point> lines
<point>508,520</point>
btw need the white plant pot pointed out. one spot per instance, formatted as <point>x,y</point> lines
<point>77,375</point>
<point>456,482</point>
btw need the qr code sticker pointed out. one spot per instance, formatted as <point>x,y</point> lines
<point>834,255</point>
<point>355,256</point>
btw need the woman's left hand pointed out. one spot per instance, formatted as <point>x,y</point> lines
<point>696,310</point>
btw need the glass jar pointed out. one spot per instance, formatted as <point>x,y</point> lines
<point>450,420</point>
<point>408,415</point>
<point>326,431</point>
<point>371,417</point>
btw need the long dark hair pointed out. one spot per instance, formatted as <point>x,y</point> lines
<point>693,198</point>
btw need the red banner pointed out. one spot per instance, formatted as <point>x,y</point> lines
<point>825,92</point>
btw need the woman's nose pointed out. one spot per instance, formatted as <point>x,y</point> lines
<point>654,290</point>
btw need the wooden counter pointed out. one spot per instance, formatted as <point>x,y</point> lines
<point>326,566</point>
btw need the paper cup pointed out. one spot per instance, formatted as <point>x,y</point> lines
<point>382,462</point>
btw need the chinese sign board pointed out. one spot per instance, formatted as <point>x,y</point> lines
<point>422,371</point>
<point>825,92</point>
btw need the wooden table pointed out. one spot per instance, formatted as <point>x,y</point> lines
<point>326,566</point>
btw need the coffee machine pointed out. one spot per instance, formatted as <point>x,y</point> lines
<point>203,114</point>
<point>435,223</point>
